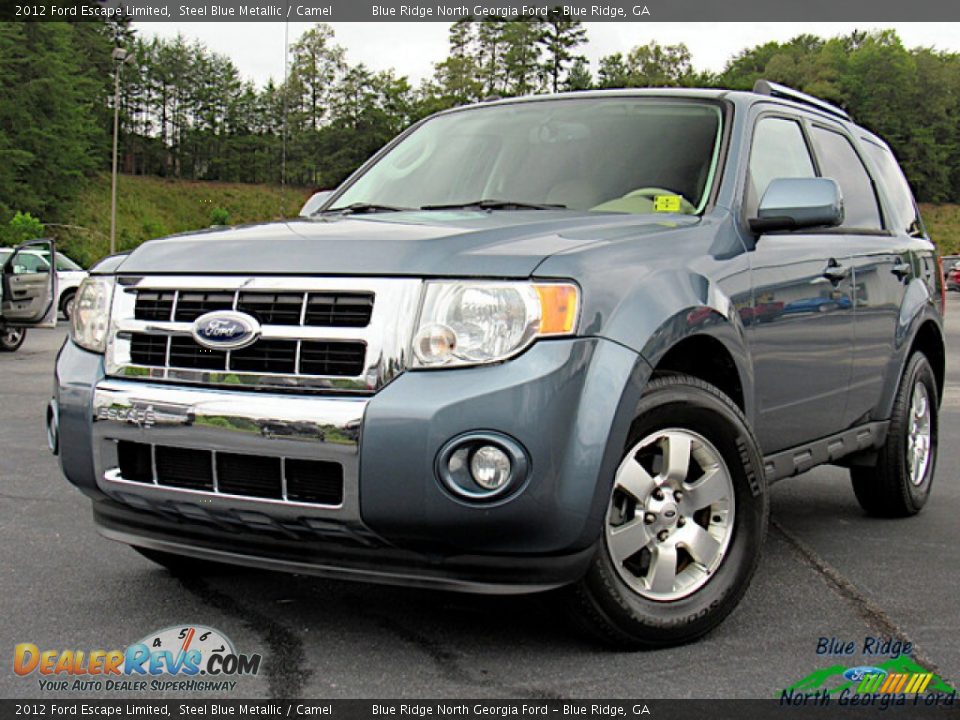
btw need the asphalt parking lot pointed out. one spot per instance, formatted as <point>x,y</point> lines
<point>828,571</point>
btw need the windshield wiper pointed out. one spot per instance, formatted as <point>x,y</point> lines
<point>361,208</point>
<point>496,205</point>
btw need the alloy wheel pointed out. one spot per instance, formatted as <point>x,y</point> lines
<point>918,434</point>
<point>671,515</point>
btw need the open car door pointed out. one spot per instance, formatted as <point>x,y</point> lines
<point>28,286</point>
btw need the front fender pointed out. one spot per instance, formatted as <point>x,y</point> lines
<point>672,307</point>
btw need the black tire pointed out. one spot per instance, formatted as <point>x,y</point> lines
<point>11,338</point>
<point>185,566</point>
<point>66,303</point>
<point>886,490</point>
<point>604,605</point>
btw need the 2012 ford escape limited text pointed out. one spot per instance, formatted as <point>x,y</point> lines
<point>560,342</point>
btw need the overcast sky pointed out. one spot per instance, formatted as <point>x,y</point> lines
<point>412,48</point>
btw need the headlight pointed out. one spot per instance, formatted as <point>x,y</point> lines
<point>91,313</point>
<point>470,323</point>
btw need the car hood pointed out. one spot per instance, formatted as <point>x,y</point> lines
<point>461,243</point>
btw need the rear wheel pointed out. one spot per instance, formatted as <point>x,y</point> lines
<point>685,522</point>
<point>11,338</point>
<point>67,302</point>
<point>899,484</point>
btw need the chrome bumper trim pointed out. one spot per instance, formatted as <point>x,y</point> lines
<point>272,425</point>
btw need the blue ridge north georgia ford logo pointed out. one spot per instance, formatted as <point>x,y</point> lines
<point>225,330</point>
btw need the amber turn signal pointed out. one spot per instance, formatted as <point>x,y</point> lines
<point>559,305</point>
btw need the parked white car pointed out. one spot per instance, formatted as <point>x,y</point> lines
<point>69,274</point>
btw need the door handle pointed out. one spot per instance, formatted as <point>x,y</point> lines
<point>835,272</point>
<point>902,270</point>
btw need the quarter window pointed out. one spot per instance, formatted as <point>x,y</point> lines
<point>839,160</point>
<point>779,151</point>
<point>897,189</point>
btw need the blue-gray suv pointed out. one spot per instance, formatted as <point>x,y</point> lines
<point>551,343</point>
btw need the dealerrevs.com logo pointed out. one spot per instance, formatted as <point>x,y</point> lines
<point>188,658</point>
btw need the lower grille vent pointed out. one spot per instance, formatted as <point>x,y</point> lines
<point>315,482</point>
<point>182,467</point>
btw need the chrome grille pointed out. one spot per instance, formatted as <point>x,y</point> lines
<point>188,306</point>
<point>338,310</point>
<point>333,334</point>
<point>154,305</point>
<point>330,309</point>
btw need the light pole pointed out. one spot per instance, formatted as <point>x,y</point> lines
<point>120,56</point>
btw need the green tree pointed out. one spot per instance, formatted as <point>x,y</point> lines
<point>559,37</point>
<point>22,227</point>
<point>613,72</point>
<point>457,79</point>
<point>490,43</point>
<point>655,65</point>
<point>49,113</point>
<point>579,77</point>
<point>521,57</point>
<point>317,63</point>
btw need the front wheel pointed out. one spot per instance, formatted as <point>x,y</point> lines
<point>685,522</point>
<point>11,338</point>
<point>899,484</point>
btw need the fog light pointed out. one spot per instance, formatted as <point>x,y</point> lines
<point>482,466</point>
<point>490,467</point>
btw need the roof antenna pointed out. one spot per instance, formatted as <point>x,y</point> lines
<point>283,152</point>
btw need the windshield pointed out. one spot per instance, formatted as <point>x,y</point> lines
<point>605,155</point>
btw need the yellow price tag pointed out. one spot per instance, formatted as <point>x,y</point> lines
<point>666,203</point>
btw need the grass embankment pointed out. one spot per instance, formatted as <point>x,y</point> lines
<point>943,224</point>
<point>149,207</point>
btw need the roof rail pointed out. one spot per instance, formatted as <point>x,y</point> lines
<point>765,87</point>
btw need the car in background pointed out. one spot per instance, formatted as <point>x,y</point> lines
<point>952,277</point>
<point>29,292</point>
<point>947,262</point>
<point>69,275</point>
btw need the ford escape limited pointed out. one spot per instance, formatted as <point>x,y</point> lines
<point>561,342</point>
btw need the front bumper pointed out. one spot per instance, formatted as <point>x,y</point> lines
<point>569,403</point>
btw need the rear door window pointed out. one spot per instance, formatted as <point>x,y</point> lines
<point>840,161</point>
<point>65,264</point>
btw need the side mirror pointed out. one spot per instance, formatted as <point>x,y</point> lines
<point>315,202</point>
<point>28,286</point>
<point>798,203</point>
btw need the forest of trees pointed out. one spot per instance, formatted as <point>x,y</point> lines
<point>186,112</point>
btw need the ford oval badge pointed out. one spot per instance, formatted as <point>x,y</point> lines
<point>856,674</point>
<point>225,330</point>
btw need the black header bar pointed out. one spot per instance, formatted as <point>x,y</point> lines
<point>450,10</point>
